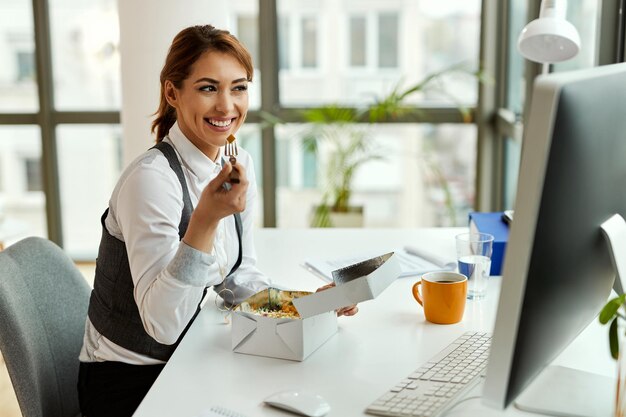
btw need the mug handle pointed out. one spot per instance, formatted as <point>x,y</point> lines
<point>416,293</point>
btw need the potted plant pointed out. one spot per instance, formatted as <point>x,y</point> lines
<point>611,314</point>
<point>347,147</point>
<point>340,138</point>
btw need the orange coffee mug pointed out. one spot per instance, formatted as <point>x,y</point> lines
<point>442,295</point>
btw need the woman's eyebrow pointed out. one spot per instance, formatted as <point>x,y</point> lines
<point>207,80</point>
<point>212,81</point>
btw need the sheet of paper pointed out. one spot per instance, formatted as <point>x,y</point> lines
<point>413,262</point>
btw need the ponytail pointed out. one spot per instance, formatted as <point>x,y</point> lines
<point>165,119</point>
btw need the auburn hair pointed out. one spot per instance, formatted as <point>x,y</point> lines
<point>187,47</point>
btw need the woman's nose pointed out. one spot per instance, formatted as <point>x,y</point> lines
<point>224,103</point>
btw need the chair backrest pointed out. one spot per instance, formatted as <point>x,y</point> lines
<point>43,307</point>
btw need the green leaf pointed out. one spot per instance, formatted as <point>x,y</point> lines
<point>613,341</point>
<point>610,309</point>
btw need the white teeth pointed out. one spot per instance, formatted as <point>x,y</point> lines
<point>220,123</point>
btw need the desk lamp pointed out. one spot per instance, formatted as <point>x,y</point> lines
<point>550,38</point>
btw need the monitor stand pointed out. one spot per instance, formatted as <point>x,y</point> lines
<point>614,230</point>
<point>567,392</point>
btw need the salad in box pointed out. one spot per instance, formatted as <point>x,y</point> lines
<point>293,324</point>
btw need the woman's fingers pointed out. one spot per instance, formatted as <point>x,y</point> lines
<point>224,177</point>
<point>348,311</point>
<point>325,287</point>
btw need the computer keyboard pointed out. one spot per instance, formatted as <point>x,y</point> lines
<point>438,384</point>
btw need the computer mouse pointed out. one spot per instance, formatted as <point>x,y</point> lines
<point>299,402</point>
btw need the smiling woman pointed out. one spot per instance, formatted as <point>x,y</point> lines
<point>172,228</point>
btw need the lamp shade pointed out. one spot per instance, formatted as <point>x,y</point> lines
<point>550,38</point>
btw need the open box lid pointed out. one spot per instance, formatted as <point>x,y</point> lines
<point>355,283</point>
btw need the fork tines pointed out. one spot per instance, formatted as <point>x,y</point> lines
<point>231,151</point>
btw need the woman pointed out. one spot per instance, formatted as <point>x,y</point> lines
<point>175,226</point>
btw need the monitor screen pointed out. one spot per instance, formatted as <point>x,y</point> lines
<point>558,271</point>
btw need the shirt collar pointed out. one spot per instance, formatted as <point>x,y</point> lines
<point>198,163</point>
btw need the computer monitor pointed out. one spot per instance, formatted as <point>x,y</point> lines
<point>558,271</point>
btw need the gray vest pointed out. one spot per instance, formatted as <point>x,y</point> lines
<point>112,308</point>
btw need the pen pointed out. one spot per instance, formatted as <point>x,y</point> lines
<point>316,272</point>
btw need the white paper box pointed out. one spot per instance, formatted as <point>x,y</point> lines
<point>295,339</point>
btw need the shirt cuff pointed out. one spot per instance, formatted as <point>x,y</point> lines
<point>190,266</point>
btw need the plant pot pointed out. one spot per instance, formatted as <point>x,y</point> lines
<point>352,218</point>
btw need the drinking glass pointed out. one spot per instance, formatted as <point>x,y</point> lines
<point>473,251</point>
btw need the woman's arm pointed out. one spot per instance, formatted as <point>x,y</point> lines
<point>216,202</point>
<point>169,274</point>
<point>247,280</point>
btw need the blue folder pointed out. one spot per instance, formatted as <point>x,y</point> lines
<point>492,223</point>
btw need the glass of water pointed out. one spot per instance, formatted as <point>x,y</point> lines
<point>473,252</point>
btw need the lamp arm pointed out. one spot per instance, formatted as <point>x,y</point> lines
<point>556,9</point>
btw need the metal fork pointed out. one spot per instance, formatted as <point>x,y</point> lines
<point>231,151</point>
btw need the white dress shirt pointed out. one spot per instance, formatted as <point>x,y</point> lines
<point>168,275</point>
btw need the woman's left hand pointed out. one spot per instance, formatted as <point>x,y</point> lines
<point>344,311</point>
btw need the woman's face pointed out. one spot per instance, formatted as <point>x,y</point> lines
<point>212,102</point>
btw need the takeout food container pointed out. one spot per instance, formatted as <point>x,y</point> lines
<point>262,326</point>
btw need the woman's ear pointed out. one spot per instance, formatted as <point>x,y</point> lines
<point>171,93</point>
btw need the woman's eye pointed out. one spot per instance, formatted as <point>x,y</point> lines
<point>208,88</point>
<point>241,87</point>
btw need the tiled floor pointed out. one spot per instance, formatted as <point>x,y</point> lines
<point>8,402</point>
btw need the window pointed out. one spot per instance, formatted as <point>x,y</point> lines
<point>33,174</point>
<point>85,54</point>
<point>284,44</point>
<point>86,186</point>
<point>584,15</point>
<point>439,160</point>
<point>248,34</point>
<point>358,41</point>
<point>373,42</point>
<point>309,42</point>
<point>346,52</point>
<point>25,66</point>
<point>18,84</point>
<point>21,200</point>
<point>388,40</point>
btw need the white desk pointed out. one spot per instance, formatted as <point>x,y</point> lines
<point>383,343</point>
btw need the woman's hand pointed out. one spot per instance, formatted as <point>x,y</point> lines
<point>219,199</point>
<point>344,311</point>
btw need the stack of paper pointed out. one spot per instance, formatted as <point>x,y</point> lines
<point>413,262</point>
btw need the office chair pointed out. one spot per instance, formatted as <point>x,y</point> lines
<point>43,307</point>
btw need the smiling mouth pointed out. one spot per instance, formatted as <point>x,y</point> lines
<point>219,123</point>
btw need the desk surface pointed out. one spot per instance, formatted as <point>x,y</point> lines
<point>382,344</point>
